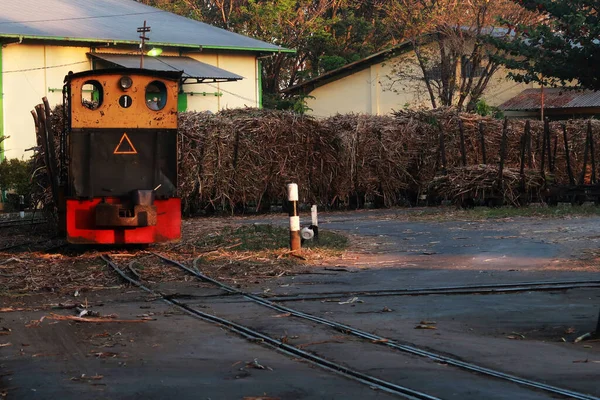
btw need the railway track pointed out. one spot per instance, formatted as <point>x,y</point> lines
<point>32,243</point>
<point>279,345</point>
<point>21,222</point>
<point>540,286</point>
<point>349,330</point>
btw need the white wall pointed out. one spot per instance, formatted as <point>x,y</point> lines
<point>30,71</point>
<point>349,94</point>
<point>238,94</point>
<point>377,90</point>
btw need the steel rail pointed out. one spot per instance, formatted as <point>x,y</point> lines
<point>389,342</point>
<point>456,290</point>
<point>25,222</point>
<point>14,246</point>
<point>280,346</point>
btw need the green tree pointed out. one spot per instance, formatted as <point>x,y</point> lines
<point>563,49</point>
<point>15,176</point>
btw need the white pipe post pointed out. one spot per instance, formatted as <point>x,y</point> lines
<point>295,241</point>
<point>315,221</point>
<point>22,206</point>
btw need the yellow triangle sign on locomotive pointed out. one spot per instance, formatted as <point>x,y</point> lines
<point>125,146</point>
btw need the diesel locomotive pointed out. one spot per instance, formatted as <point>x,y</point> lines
<point>119,157</point>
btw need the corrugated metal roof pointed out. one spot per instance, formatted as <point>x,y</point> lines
<point>115,20</point>
<point>191,68</point>
<point>531,99</point>
<point>586,99</point>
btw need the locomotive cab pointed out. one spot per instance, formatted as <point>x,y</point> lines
<point>119,150</point>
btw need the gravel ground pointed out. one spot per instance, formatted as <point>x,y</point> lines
<point>529,334</point>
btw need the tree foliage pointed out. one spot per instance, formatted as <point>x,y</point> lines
<point>453,58</point>
<point>326,34</point>
<point>15,175</point>
<point>564,48</point>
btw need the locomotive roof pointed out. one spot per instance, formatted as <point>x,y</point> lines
<point>192,69</point>
<point>116,21</point>
<point>171,75</point>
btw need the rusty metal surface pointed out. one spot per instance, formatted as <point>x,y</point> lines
<point>109,113</point>
<point>531,99</point>
<point>118,215</point>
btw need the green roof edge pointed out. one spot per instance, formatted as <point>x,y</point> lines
<point>119,41</point>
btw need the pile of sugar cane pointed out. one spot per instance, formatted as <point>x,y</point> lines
<point>241,160</point>
<point>483,182</point>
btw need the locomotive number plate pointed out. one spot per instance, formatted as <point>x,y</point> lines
<point>125,101</point>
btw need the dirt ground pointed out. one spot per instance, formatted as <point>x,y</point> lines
<point>160,352</point>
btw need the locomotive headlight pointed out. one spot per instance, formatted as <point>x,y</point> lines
<point>125,82</point>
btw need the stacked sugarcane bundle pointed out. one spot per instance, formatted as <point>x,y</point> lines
<point>484,182</point>
<point>562,153</point>
<point>374,158</point>
<point>242,159</point>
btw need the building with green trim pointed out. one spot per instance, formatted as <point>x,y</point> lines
<point>43,41</point>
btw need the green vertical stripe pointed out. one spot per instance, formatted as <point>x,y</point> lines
<point>1,109</point>
<point>260,89</point>
<point>182,102</point>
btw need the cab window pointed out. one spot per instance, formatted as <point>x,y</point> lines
<point>92,95</point>
<point>156,95</point>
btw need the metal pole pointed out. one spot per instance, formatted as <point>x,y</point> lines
<point>22,206</point>
<point>315,222</point>
<point>295,240</point>
<point>598,326</point>
<point>143,30</point>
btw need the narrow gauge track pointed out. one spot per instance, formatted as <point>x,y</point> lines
<point>29,243</point>
<point>279,345</point>
<point>21,222</point>
<point>410,349</point>
<point>499,288</point>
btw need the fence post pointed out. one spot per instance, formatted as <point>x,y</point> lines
<point>592,155</point>
<point>482,138</point>
<point>585,159</point>
<point>548,143</point>
<point>502,152</point>
<point>554,153</point>
<point>543,157</point>
<point>529,150</point>
<point>442,149</point>
<point>567,156</point>
<point>463,151</point>
<point>524,140</point>
<point>295,240</point>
